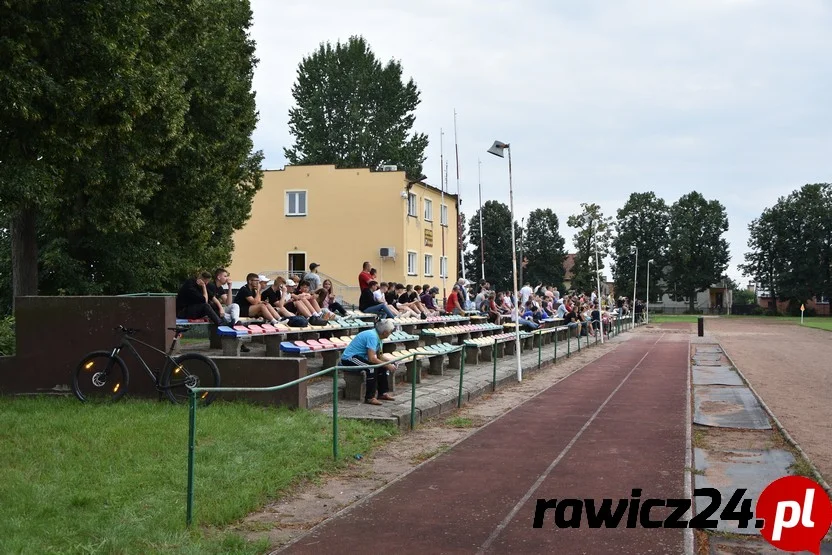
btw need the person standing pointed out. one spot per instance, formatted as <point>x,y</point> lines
<point>312,277</point>
<point>364,278</point>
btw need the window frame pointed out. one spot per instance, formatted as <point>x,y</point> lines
<point>411,270</point>
<point>428,205</point>
<point>428,259</point>
<point>412,203</point>
<point>443,261</point>
<point>443,215</point>
<point>287,203</point>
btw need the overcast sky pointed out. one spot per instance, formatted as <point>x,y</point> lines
<point>599,99</point>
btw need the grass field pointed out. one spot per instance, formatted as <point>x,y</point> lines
<point>821,323</point>
<point>112,479</point>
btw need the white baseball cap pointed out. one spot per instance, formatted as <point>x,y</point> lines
<point>261,277</point>
<point>290,282</point>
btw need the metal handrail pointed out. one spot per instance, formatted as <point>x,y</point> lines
<point>334,370</point>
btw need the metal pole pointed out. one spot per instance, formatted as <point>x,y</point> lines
<point>459,261</point>
<point>539,348</point>
<point>635,281</point>
<point>647,301</point>
<point>494,360</point>
<point>461,373</point>
<point>556,347</point>
<point>598,279</point>
<point>522,224</point>
<point>441,204</point>
<point>482,244</point>
<point>335,413</point>
<point>416,371</point>
<point>189,513</point>
<point>514,274</point>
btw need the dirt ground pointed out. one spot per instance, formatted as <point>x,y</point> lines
<point>309,504</point>
<point>790,368</point>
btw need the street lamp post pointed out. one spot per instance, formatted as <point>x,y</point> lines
<point>647,306</point>
<point>598,278</point>
<point>497,150</point>
<point>635,281</point>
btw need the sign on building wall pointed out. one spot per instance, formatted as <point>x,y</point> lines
<point>428,237</point>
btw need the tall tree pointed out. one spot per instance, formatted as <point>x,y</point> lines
<point>697,254</point>
<point>766,260</point>
<point>642,222</point>
<point>586,241</point>
<point>496,219</point>
<point>354,112</point>
<point>128,157</point>
<point>543,246</point>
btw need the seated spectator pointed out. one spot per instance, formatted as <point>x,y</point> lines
<point>452,305</point>
<point>251,301</point>
<point>326,299</point>
<point>368,304</point>
<point>221,298</point>
<point>428,299</point>
<point>307,303</point>
<point>192,300</point>
<point>365,350</point>
<point>494,312</point>
<point>278,296</point>
<point>380,297</point>
<point>410,299</point>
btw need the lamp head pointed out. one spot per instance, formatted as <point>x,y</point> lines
<point>497,148</point>
<point>651,261</point>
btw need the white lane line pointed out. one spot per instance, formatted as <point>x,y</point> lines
<point>500,527</point>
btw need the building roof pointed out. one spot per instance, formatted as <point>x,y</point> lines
<point>368,170</point>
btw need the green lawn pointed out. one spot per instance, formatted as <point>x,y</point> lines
<point>112,479</point>
<point>822,323</point>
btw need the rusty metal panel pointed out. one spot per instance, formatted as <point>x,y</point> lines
<point>729,470</point>
<point>728,407</point>
<point>716,375</point>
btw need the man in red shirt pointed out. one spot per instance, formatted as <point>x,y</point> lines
<point>364,278</point>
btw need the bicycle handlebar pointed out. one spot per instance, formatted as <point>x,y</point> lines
<point>128,331</point>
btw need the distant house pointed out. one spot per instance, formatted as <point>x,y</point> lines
<point>716,299</point>
<point>819,305</point>
<point>607,287</point>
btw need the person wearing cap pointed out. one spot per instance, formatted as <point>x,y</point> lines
<point>251,301</point>
<point>366,350</point>
<point>427,298</point>
<point>312,277</point>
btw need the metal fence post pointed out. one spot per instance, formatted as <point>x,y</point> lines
<point>335,412</point>
<point>189,514</point>
<point>413,393</point>
<point>568,343</point>
<point>461,373</point>
<point>556,348</point>
<point>494,361</point>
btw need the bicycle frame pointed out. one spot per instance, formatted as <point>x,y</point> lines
<point>127,341</point>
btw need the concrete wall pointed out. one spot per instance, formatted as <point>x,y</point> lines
<point>54,333</point>
<point>264,372</point>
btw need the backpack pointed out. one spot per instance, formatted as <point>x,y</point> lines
<point>297,322</point>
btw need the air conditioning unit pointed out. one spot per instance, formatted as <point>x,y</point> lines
<point>387,252</point>
<point>389,168</point>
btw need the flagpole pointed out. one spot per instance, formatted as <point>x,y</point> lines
<point>482,244</point>
<point>459,261</point>
<point>441,204</point>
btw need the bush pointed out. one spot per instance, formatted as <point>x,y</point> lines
<point>7,336</point>
<point>757,311</point>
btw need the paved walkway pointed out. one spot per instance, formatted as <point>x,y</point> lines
<point>617,424</point>
<point>438,394</point>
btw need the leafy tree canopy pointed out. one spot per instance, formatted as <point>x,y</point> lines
<point>543,246</point>
<point>353,111</point>
<point>594,230</point>
<point>496,219</point>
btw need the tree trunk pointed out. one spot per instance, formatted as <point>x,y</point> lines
<point>24,253</point>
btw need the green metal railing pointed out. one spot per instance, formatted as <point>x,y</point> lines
<point>335,372</point>
<point>615,330</point>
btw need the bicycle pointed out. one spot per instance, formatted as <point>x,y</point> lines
<point>102,376</point>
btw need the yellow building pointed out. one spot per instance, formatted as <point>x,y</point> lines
<point>340,218</point>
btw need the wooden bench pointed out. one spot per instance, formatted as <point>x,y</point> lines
<point>331,348</point>
<point>480,349</point>
<point>233,338</point>
<point>431,336</point>
<point>355,381</point>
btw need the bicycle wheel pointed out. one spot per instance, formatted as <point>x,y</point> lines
<point>100,378</point>
<point>188,371</point>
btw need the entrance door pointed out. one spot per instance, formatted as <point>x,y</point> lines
<point>297,264</point>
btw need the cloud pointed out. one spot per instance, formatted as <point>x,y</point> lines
<point>598,99</point>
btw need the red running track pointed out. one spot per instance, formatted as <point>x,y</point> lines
<point>617,424</point>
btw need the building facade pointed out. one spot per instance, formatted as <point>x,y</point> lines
<point>340,218</point>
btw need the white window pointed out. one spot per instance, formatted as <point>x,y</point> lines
<point>429,265</point>
<point>443,266</point>
<point>296,203</point>
<point>411,204</point>
<point>428,210</point>
<point>411,263</point>
<point>443,215</point>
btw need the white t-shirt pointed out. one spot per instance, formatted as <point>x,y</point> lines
<point>525,293</point>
